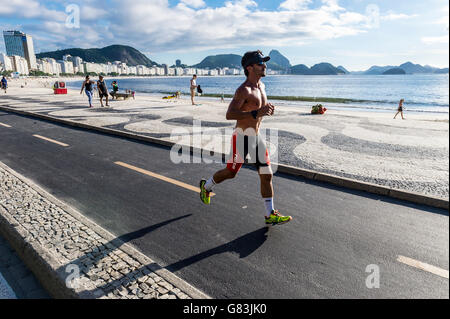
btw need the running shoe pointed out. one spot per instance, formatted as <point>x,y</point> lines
<point>204,194</point>
<point>276,218</point>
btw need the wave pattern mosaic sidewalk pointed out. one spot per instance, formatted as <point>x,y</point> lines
<point>84,259</point>
<point>410,155</point>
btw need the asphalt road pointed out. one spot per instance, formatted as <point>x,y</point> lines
<point>224,249</point>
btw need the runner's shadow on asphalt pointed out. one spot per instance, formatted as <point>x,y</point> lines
<point>244,246</point>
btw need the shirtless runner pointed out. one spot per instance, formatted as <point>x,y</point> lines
<point>248,107</point>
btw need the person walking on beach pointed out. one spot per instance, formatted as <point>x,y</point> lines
<point>102,90</point>
<point>4,83</point>
<point>88,86</point>
<point>400,109</point>
<point>248,108</point>
<point>115,88</point>
<point>193,87</point>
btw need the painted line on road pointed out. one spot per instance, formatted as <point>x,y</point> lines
<point>5,125</point>
<point>423,266</point>
<point>161,177</point>
<point>50,140</point>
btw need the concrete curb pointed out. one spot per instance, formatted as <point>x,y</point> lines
<point>50,272</point>
<point>41,264</point>
<point>286,169</point>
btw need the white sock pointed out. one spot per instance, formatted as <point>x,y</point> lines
<point>269,205</point>
<point>210,183</point>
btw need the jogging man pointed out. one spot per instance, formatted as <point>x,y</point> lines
<point>248,107</point>
<point>102,90</point>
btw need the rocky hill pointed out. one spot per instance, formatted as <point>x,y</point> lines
<point>220,61</point>
<point>278,61</point>
<point>112,53</point>
<point>394,71</point>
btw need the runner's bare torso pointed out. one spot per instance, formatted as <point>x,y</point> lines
<point>249,97</point>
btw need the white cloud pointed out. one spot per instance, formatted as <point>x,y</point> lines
<point>391,16</point>
<point>29,9</point>
<point>191,25</point>
<point>156,26</point>
<point>436,40</point>
<point>90,13</point>
<point>194,3</point>
<point>445,17</point>
<point>293,5</point>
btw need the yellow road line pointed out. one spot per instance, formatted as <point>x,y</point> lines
<point>5,125</point>
<point>161,177</point>
<point>423,266</point>
<point>50,140</point>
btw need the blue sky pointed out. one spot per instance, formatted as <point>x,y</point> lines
<point>353,33</point>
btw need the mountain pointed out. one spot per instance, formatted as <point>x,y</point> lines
<point>408,67</point>
<point>343,69</point>
<point>278,61</point>
<point>317,69</point>
<point>220,61</point>
<point>325,69</point>
<point>394,71</point>
<point>441,71</point>
<point>378,69</point>
<point>411,68</point>
<point>300,69</point>
<point>112,53</point>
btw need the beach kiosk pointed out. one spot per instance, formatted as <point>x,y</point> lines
<point>59,87</point>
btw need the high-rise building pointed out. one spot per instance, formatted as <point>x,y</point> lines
<point>20,65</point>
<point>77,61</point>
<point>6,62</point>
<point>20,44</point>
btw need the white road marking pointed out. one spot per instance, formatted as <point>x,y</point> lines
<point>5,125</point>
<point>50,140</point>
<point>161,177</point>
<point>423,266</point>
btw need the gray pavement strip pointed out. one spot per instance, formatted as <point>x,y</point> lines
<point>73,257</point>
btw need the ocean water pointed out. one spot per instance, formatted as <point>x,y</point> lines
<point>422,92</point>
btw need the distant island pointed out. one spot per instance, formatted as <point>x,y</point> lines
<point>394,71</point>
<point>278,64</point>
<point>408,67</point>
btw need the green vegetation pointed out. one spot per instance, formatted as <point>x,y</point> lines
<point>38,73</point>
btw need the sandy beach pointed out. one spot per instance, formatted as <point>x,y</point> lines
<point>410,154</point>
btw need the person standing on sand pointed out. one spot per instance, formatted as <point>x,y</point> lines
<point>248,108</point>
<point>193,87</point>
<point>4,83</point>
<point>102,90</point>
<point>400,109</point>
<point>88,86</point>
